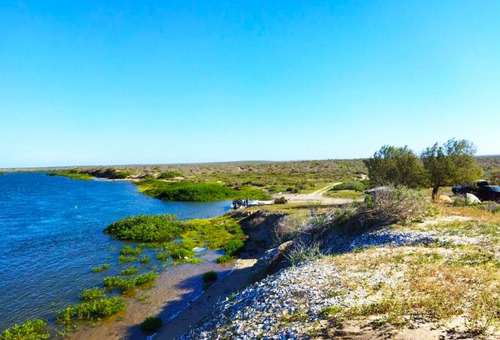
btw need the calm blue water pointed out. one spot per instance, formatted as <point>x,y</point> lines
<point>51,236</point>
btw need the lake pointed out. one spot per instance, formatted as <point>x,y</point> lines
<point>52,236</point>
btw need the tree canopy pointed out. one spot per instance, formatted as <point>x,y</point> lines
<point>439,165</point>
<point>450,163</point>
<point>396,165</point>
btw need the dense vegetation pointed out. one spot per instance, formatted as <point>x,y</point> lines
<point>166,231</point>
<point>197,192</point>
<point>30,330</point>
<point>268,176</point>
<point>126,284</point>
<point>90,310</point>
<point>71,173</point>
<point>440,165</point>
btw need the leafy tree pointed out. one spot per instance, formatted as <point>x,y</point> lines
<point>395,165</point>
<point>450,163</point>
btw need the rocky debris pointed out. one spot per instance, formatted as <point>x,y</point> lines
<point>277,307</point>
<point>273,260</point>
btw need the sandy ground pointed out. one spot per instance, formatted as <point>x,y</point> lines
<point>202,307</point>
<point>172,292</point>
<point>317,197</point>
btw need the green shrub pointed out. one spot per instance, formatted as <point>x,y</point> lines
<point>129,271</point>
<point>119,282</point>
<point>354,185</point>
<point>128,250</point>
<point>125,285</point>
<point>225,258</point>
<point>233,247</point>
<point>101,268</point>
<point>145,278</point>
<point>145,260</point>
<point>163,256</point>
<point>197,192</point>
<point>169,174</point>
<point>91,310</point>
<point>30,330</point>
<point>146,228</point>
<point>126,259</point>
<point>151,324</point>
<point>92,294</point>
<point>210,277</point>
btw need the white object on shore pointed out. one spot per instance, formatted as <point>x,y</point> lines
<point>198,251</point>
<point>261,203</point>
<point>472,199</point>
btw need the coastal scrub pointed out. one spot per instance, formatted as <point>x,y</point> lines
<point>31,329</point>
<point>197,192</point>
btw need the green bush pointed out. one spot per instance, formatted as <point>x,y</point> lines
<point>151,324</point>
<point>126,259</point>
<point>225,258</point>
<point>210,277</point>
<point>101,268</point>
<point>234,247</point>
<point>125,285</point>
<point>91,310</point>
<point>197,192</point>
<point>30,330</point>
<point>169,174</point>
<point>146,228</point>
<point>129,271</point>
<point>92,294</point>
<point>354,185</point>
<point>145,260</point>
<point>128,250</point>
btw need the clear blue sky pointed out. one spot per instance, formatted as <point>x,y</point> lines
<point>120,82</point>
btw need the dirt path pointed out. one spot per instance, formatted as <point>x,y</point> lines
<point>317,197</point>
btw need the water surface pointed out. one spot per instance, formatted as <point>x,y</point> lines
<point>51,233</point>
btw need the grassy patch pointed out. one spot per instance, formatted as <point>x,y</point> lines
<point>127,284</point>
<point>90,310</point>
<point>30,330</point>
<point>126,259</point>
<point>176,239</point>
<point>128,250</point>
<point>101,268</point>
<point>72,173</point>
<point>198,192</point>
<point>129,271</point>
<point>92,294</point>
<point>346,194</point>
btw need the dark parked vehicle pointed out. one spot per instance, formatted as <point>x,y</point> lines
<point>481,189</point>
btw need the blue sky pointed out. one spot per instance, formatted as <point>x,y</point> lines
<point>123,82</point>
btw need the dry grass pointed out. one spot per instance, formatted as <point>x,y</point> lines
<point>422,285</point>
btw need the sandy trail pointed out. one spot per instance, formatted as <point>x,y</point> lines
<point>317,197</point>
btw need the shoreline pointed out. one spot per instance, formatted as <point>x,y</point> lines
<point>175,290</point>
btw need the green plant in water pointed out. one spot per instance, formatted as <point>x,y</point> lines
<point>126,259</point>
<point>129,271</point>
<point>30,330</point>
<point>92,294</point>
<point>128,250</point>
<point>145,260</point>
<point>101,268</point>
<point>90,310</point>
